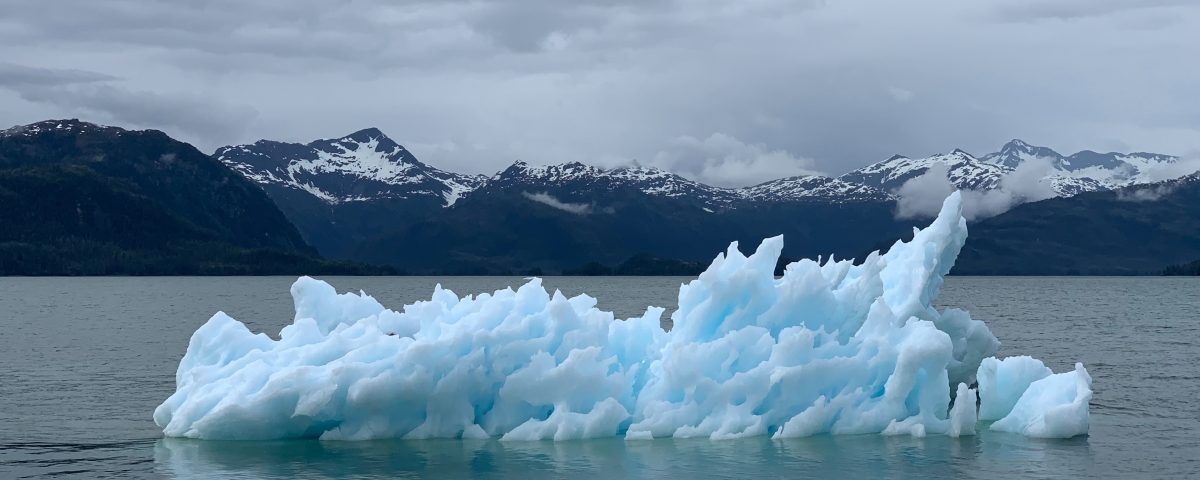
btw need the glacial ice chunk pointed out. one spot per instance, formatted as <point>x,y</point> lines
<point>1053,407</point>
<point>1001,383</point>
<point>830,347</point>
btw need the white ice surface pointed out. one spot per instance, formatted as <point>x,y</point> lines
<point>1053,407</point>
<point>827,348</point>
<point>1001,383</point>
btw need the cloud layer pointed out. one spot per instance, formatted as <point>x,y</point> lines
<point>729,93</point>
<point>549,200</point>
<point>922,196</point>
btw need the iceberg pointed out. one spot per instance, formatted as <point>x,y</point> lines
<point>829,347</point>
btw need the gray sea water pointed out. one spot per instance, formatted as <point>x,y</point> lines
<point>84,361</point>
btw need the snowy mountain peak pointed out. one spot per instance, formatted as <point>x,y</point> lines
<point>1081,172</point>
<point>362,166</point>
<point>72,125</point>
<point>368,140</point>
<point>518,168</point>
<point>814,188</point>
<point>1020,146</point>
<point>577,181</point>
<point>365,134</point>
<point>641,171</point>
<point>1017,152</point>
<point>965,171</point>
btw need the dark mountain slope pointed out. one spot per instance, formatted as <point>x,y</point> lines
<point>1135,230</point>
<point>516,231</point>
<point>78,199</point>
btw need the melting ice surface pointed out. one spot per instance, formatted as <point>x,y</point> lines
<point>828,348</point>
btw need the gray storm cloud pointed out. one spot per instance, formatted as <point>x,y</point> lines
<point>790,86</point>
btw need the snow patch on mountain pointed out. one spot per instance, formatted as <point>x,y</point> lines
<point>384,162</point>
<point>455,190</point>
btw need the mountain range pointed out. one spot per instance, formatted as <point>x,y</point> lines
<point>365,198</point>
<point>349,201</point>
<point>367,166</point>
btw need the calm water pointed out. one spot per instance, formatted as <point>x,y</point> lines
<point>84,361</point>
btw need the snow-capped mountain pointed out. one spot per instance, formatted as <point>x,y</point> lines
<point>1017,152</point>
<point>363,166</point>
<point>62,127</point>
<point>367,166</point>
<point>814,187</point>
<point>965,171</point>
<point>1085,171</point>
<point>576,181</point>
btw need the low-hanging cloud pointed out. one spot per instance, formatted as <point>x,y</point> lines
<point>1146,193</point>
<point>549,200</point>
<point>922,196</point>
<point>1157,172</point>
<point>725,161</point>
<point>1161,175</point>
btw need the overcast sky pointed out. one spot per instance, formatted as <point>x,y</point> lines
<point>726,92</point>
